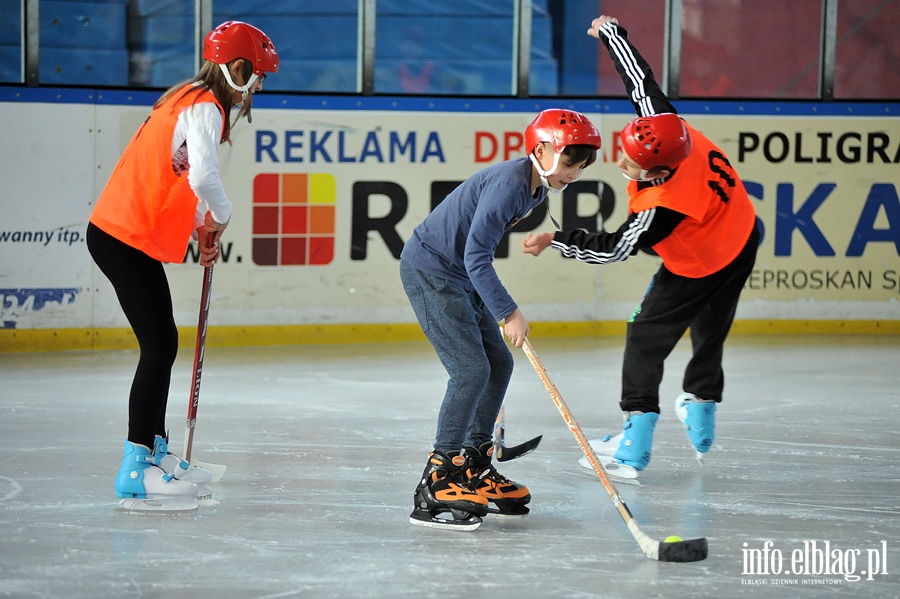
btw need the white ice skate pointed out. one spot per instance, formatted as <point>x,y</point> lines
<point>143,487</point>
<point>605,448</point>
<point>629,451</point>
<point>181,469</point>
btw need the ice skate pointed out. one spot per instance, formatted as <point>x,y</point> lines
<point>620,473</point>
<point>505,497</point>
<point>441,500</point>
<point>699,418</point>
<point>181,469</point>
<point>628,452</point>
<point>142,486</point>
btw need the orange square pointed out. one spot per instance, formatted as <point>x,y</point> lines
<point>321,220</point>
<point>295,188</point>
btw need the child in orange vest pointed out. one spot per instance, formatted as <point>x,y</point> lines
<point>146,215</point>
<point>687,205</point>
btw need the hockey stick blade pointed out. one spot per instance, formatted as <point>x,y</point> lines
<point>505,454</point>
<point>217,470</point>
<point>501,451</point>
<point>693,550</point>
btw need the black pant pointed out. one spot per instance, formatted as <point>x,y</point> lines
<point>672,304</point>
<point>143,291</point>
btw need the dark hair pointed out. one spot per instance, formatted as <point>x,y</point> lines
<point>210,77</point>
<point>578,153</point>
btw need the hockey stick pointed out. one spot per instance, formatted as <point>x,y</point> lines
<point>501,451</point>
<point>216,470</point>
<point>692,550</point>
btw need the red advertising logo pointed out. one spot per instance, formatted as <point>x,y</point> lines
<point>293,219</point>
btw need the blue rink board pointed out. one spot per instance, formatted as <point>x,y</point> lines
<point>81,95</point>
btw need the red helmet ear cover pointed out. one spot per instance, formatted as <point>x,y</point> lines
<point>233,39</point>
<point>561,128</point>
<point>657,140</point>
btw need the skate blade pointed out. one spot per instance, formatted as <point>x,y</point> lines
<point>618,473</point>
<point>445,521</point>
<point>169,506</point>
<point>612,467</point>
<point>625,481</point>
<point>507,515</point>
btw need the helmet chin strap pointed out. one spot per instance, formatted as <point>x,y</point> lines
<point>544,174</point>
<point>642,178</point>
<point>243,89</point>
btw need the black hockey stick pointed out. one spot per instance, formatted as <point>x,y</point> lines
<point>501,451</point>
<point>692,550</point>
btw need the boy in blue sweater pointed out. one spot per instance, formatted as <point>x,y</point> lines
<point>448,274</point>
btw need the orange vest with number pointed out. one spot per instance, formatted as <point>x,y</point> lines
<point>719,214</point>
<point>145,203</point>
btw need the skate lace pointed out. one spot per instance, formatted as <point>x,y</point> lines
<point>490,473</point>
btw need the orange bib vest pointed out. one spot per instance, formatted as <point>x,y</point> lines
<point>719,213</point>
<point>145,204</point>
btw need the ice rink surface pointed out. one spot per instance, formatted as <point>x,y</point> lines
<point>324,444</point>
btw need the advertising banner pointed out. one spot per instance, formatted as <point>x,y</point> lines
<point>324,199</point>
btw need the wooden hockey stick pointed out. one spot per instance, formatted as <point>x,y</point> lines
<point>692,550</point>
<point>216,470</point>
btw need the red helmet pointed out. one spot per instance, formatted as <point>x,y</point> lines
<point>233,39</point>
<point>561,128</point>
<point>657,140</point>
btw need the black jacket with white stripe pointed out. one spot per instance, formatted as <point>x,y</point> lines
<point>643,229</point>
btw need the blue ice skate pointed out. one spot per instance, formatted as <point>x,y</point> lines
<point>143,486</point>
<point>699,418</point>
<point>632,447</point>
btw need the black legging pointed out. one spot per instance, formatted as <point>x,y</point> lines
<point>672,305</point>
<point>143,291</point>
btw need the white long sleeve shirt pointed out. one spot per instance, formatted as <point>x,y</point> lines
<point>195,142</point>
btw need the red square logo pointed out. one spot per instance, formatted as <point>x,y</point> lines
<point>293,219</point>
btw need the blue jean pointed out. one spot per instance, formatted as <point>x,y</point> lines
<point>469,343</point>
